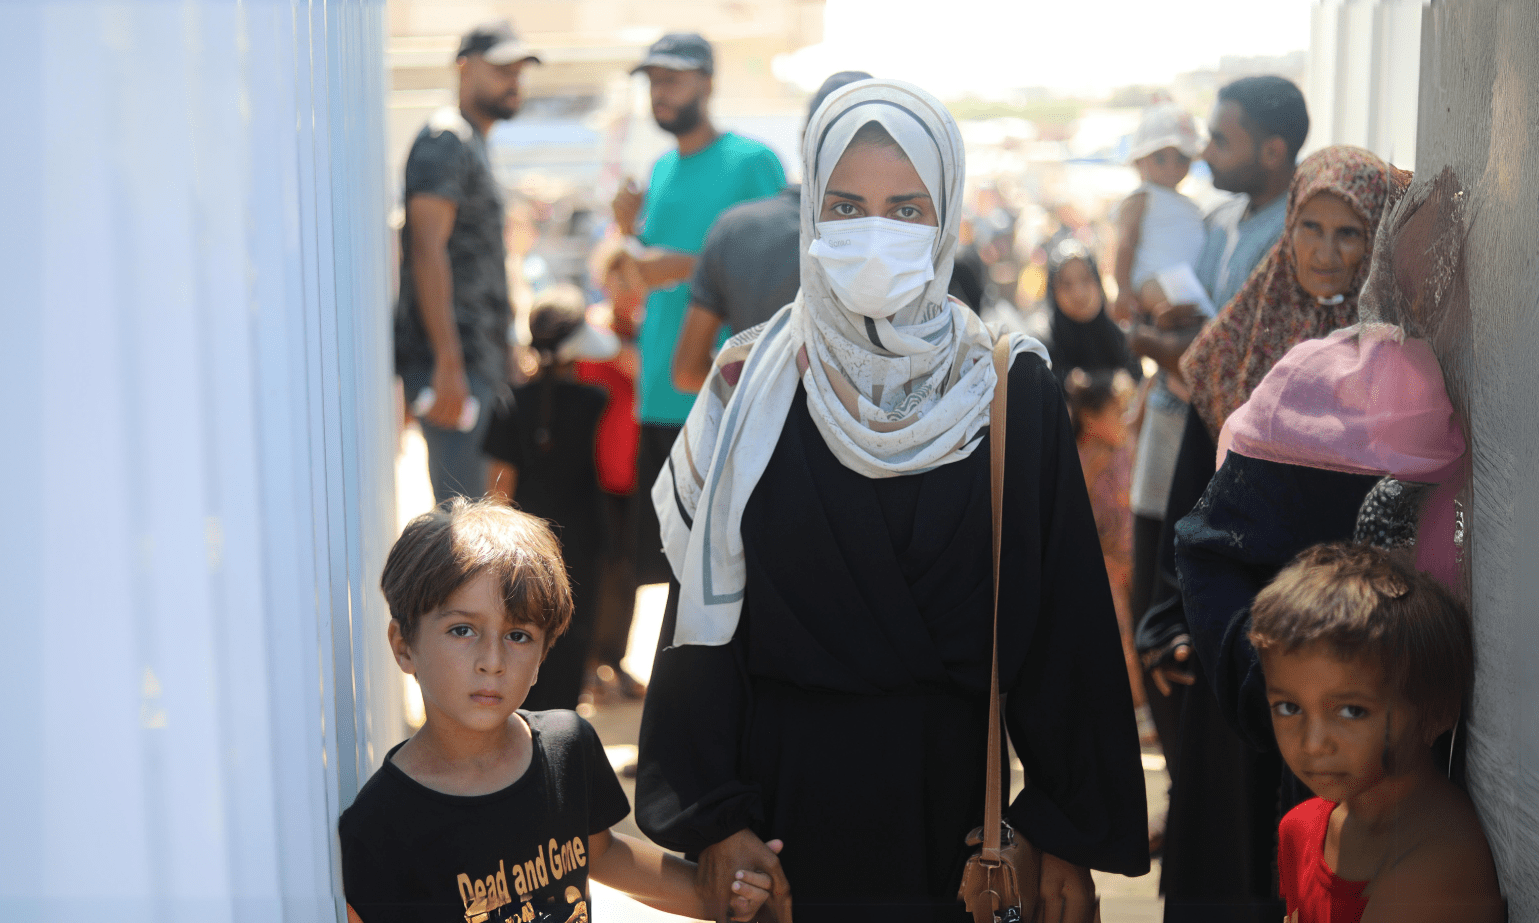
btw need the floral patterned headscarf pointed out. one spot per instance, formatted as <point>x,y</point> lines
<point>1272,313</point>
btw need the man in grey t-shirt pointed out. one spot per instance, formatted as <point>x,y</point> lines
<point>452,316</point>
<point>749,268</point>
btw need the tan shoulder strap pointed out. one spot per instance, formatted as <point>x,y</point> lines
<point>993,813</point>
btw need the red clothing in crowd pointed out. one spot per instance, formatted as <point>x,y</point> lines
<point>618,430</point>
<point>1313,892</point>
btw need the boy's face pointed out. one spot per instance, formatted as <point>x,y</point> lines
<point>1336,720</point>
<point>475,664</point>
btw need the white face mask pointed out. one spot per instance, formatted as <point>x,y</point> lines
<point>876,266</point>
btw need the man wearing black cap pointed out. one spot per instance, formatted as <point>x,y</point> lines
<point>452,316</point>
<point>749,269</point>
<point>710,172</point>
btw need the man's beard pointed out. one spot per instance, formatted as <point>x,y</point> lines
<point>501,109</point>
<point>685,121</point>
<point>1244,178</point>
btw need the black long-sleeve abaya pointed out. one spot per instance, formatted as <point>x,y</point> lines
<point>848,714</point>
<point>1220,841</point>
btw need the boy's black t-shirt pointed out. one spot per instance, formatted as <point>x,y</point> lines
<point>413,854</point>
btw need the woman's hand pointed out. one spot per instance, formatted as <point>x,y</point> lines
<point>1066,893</point>
<point>742,851</point>
<point>1168,665</point>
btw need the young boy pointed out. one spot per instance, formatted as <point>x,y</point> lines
<point>1367,661</point>
<point>489,813</point>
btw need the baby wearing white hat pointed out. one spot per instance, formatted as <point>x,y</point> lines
<point>1158,228</point>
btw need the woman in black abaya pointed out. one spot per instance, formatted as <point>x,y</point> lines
<point>822,678</point>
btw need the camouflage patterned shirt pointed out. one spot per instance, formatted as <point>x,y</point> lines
<point>448,160</point>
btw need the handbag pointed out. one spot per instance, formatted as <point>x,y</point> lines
<point>999,882</point>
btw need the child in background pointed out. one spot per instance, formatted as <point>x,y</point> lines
<point>1367,661</point>
<point>490,813</point>
<point>1157,227</point>
<point>1097,402</point>
<point>1076,326</point>
<point>541,447</point>
<point>618,437</point>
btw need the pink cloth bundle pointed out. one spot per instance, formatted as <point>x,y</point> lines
<point>1363,400</point>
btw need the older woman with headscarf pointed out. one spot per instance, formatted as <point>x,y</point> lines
<point>1223,814</point>
<point>822,679</point>
<point>1306,287</point>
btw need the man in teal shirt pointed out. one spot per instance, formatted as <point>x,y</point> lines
<point>708,173</point>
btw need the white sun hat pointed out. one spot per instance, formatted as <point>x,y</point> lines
<point>1165,125</point>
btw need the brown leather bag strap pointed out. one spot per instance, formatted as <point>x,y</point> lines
<point>993,813</point>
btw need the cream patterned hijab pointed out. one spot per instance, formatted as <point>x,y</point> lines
<point>894,396</point>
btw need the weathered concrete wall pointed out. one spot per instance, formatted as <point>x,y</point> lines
<point>1479,113</point>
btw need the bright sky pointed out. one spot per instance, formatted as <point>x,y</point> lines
<point>956,47</point>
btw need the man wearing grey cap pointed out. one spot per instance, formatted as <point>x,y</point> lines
<point>452,313</point>
<point>749,269</point>
<point>708,173</point>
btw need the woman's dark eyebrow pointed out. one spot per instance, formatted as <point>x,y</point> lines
<point>907,197</point>
<point>845,195</point>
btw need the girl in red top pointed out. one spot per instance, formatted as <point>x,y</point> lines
<point>1367,661</point>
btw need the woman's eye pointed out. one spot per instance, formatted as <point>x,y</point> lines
<point>1284,709</point>
<point>909,213</point>
<point>844,209</point>
<point>1353,712</point>
<point>462,631</point>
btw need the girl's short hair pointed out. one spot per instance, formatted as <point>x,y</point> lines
<point>442,550</point>
<point>1367,603</point>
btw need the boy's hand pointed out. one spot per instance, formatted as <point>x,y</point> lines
<point>750,891</point>
<point>719,867</point>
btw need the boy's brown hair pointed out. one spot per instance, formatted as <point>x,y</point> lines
<point>442,550</point>
<point>1366,603</point>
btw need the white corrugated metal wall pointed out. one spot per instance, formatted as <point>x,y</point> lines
<point>196,466</point>
<point>1364,76</point>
